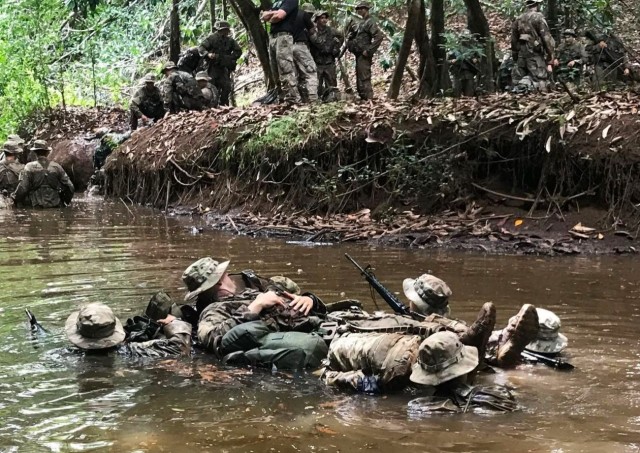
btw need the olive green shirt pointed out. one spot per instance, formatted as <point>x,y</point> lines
<point>41,182</point>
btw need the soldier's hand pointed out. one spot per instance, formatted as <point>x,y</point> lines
<point>166,320</point>
<point>266,300</point>
<point>626,71</point>
<point>602,44</point>
<point>144,118</point>
<point>549,68</point>
<point>571,64</point>
<point>365,54</point>
<point>303,304</point>
<point>211,55</point>
<point>556,62</point>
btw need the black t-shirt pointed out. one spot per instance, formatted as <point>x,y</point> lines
<point>301,26</point>
<point>288,23</point>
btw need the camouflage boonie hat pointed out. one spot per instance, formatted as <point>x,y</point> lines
<point>40,145</point>
<point>202,275</point>
<point>549,339</point>
<point>169,65</point>
<point>319,14</point>
<point>533,2</point>
<point>308,8</point>
<point>11,147</point>
<point>569,32</point>
<point>441,358</point>
<point>286,283</point>
<point>222,24</point>
<point>16,138</point>
<point>202,75</point>
<point>149,78</point>
<point>363,5</point>
<point>428,293</point>
<point>94,326</point>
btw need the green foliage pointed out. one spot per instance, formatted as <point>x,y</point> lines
<point>463,45</point>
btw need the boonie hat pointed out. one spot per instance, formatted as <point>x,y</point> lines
<point>202,75</point>
<point>549,339</point>
<point>319,14</point>
<point>149,78</point>
<point>363,5</point>
<point>94,326</point>
<point>533,2</point>
<point>441,358</point>
<point>202,275</point>
<point>222,24</point>
<point>15,138</point>
<point>11,147</point>
<point>169,65</point>
<point>570,32</point>
<point>308,8</point>
<point>428,293</point>
<point>40,145</point>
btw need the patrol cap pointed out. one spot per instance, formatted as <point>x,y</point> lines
<point>11,147</point>
<point>202,75</point>
<point>363,5</point>
<point>149,78</point>
<point>169,65</point>
<point>202,275</point>
<point>40,145</point>
<point>222,25</point>
<point>94,326</point>
<point>308,8</point>
<point>570,32</point>
<point>429,293</point>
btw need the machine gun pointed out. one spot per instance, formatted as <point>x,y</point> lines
<point>36,327</point>
<point>401,309</point>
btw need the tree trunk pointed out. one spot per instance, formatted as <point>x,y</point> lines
<point>212,14</point>
<point>174,40</point>
<point>552,19</point>
<point>225,12</point>
<point>479,26</point>
<point>427,62</point>
<point>442,81</point>
<point>413,20</point>
<point>249,15</point>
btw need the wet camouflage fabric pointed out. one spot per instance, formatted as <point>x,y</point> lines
<point>148,103</point>
<point>532,47</point>
<point>307,72</point>
<point>608,63</point>
<point>176,342</point>
<point>9,174</point>
<point>366,37</point>
<point>40,184</point>
<point>180,92</point>
<point>227,52</point>
<point>210,94</point>
<point>283,66</point>
<point>325,48</point>
<point>566,53</point>
<point>191,62</point>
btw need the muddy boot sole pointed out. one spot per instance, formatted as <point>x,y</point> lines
<point>478,333</point>
<point>522,330</point>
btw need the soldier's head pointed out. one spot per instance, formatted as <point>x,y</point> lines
<point>208,281</point>
<point>41,148</point>
<point>321,19</point>
<point>428,294</point>
<point>149,81</point>
<point>362,9</point>
<point>569,35</point>
<point>203,79</point>
<point>223,27</point>
<point>11,150</point>
<point>94,328</point>
<point>533,4</point>
<point>168,68</point>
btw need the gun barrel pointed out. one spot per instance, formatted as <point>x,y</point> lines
<point>355,263</point>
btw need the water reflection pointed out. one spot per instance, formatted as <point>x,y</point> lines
<point>51,400</point>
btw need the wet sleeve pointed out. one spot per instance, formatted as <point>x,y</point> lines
<point>24,185</point>
<point>176,343</point>
<point>376,37</point>
<point>167,94</point>
<point>352,380</point>
<point>136,100</point>
<point>4,180</point>
<point>64,180</point>
<point>217,320</point>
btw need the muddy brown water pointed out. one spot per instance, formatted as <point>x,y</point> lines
<point>51,400</point>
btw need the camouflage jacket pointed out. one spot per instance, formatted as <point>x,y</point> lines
<point>226,50</point>
<point>9,174</point>
<point>325,45</point>
<point>530,33</point>
<point>177,342</point>
<point>464,65</point>
<point>210,94</point>
<point>180,92</point>
<point>42,182</point>
<point>571,52</point>
<point>147,103</point>
<point>191,62</point>
<point>220,317</point>
<point>367,36</point>
<point>613,54</point>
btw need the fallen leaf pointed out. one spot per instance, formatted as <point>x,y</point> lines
<point>518,222</point>
<point>605,131</point>
<point>600,236</point>
<point>582,229</point>
<point>325,429</point>
<point>547,146</point>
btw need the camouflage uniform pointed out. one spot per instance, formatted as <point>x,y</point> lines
<point>10,171</point>
<point>42,183</point>
<point>146,101</point>
<point>305,65</point>
<point>108,142</point>
<point>279,337</point>
<point>532,47</point>
<point>366,37</point>
<point>227,51</point>
<point>609,63</point>
<point>180,91</point>
<point>209,92</point>
<point>191,62</point>
<point>463,68</point>
<point>567,52</point>
<point>325,48</point>
<point>281,51</point>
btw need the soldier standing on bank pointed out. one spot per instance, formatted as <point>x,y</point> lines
<point>363,42</point>
<point>10,168</point>
<point>464,65</point>
<point>43,183</point>
<point>222,53</point>
<point>532,47</point>
<point>146,102</point>
<point>180,90</point>
<point>209,92</point>
<point>325,48</point>
<point>571,58</point>
<point>305,65</point>
<point>282,17</point>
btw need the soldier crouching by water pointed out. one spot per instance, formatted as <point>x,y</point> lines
<point>246,319</point>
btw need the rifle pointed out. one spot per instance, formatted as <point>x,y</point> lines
<point>401,309</point>
<point>36,327</point>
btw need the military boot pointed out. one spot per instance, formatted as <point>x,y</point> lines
<point>521,330</point>
<point>479,332</point>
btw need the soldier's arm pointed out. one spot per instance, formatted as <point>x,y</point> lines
<point>24,185</point>
<point>218,319</point>
<point>548,42</point>
<point>376,37</point>
<point>236,51</point>
<point>136,100</point>
<point>64,179</point>
<point>206,46</point>
<point>167,95</point>
<point>176,343</point>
